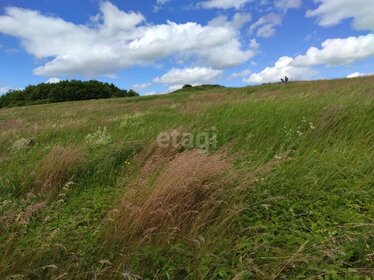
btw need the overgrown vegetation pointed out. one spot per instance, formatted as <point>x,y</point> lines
<point>287,193</point>
<point>62,91</point>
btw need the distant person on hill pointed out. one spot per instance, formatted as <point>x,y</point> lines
<point>282,81</point>
<point>286,80</point>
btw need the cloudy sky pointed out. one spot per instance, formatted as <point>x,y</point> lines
<point>156,46</point>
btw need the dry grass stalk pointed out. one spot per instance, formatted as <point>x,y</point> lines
<point>184,196</point>
<point>56,166</point>
<point>30,212</point>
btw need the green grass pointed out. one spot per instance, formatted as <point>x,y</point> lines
<point>296,200</point>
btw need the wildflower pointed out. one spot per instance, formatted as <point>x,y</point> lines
<point>299,133</point>
<point>99,138</point>
<point>312,126</point>
<point>21,144</point>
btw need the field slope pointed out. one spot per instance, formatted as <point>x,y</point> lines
<point>285,189</point>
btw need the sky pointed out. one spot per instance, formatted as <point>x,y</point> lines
<point>157,46</point>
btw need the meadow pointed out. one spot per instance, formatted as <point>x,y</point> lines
<point>285,192</point>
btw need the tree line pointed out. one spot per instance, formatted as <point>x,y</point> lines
<point>63,91</point>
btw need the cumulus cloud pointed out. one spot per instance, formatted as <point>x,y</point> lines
<point>223,4</point>
<point>358,74</point>
<point>332,12</point>
<point>4,90</point>
<point>176,78</point>
<point>283,67</point>
<point>338,51</point>
<point>334,52</point>
<point>53,81</point>
<point>153,93</point>
<point>117,40</point>
<point>265,26</point>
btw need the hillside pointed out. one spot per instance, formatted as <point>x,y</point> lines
<point>272,182</point>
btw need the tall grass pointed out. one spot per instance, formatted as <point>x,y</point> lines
<point>286,194</point>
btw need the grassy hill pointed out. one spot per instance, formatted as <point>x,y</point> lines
<point>283,189</point>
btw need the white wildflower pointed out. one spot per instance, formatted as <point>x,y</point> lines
<point>21,144</point>
<point>99,138</point>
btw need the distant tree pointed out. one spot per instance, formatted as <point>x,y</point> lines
<point>187,86</point>
<point>63,91</point>
<point>132,92</point>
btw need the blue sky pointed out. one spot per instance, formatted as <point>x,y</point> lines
<point>158,46</point>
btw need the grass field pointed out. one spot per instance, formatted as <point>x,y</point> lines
<point>285,192</point>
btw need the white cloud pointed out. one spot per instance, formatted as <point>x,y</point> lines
<point>254,44</point>
<point>237,22</point>
<point>117,40</point>
<point>338,51</point>
<point>242,74</point>
<point>176,78</point>
<point>4,90</point>
<point>283,67</point>
<point>223,4</point>
<point>358,74</point>
<point>53,81</point>
<point>174,87</point>
<point>334,52</point>
<point>141,86</point>
<point>266,25</point>
<point>332,12</point>
<point>159,5</point>
<point>162,2</point>
<point>153,93</point>
<point>288,4</point>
